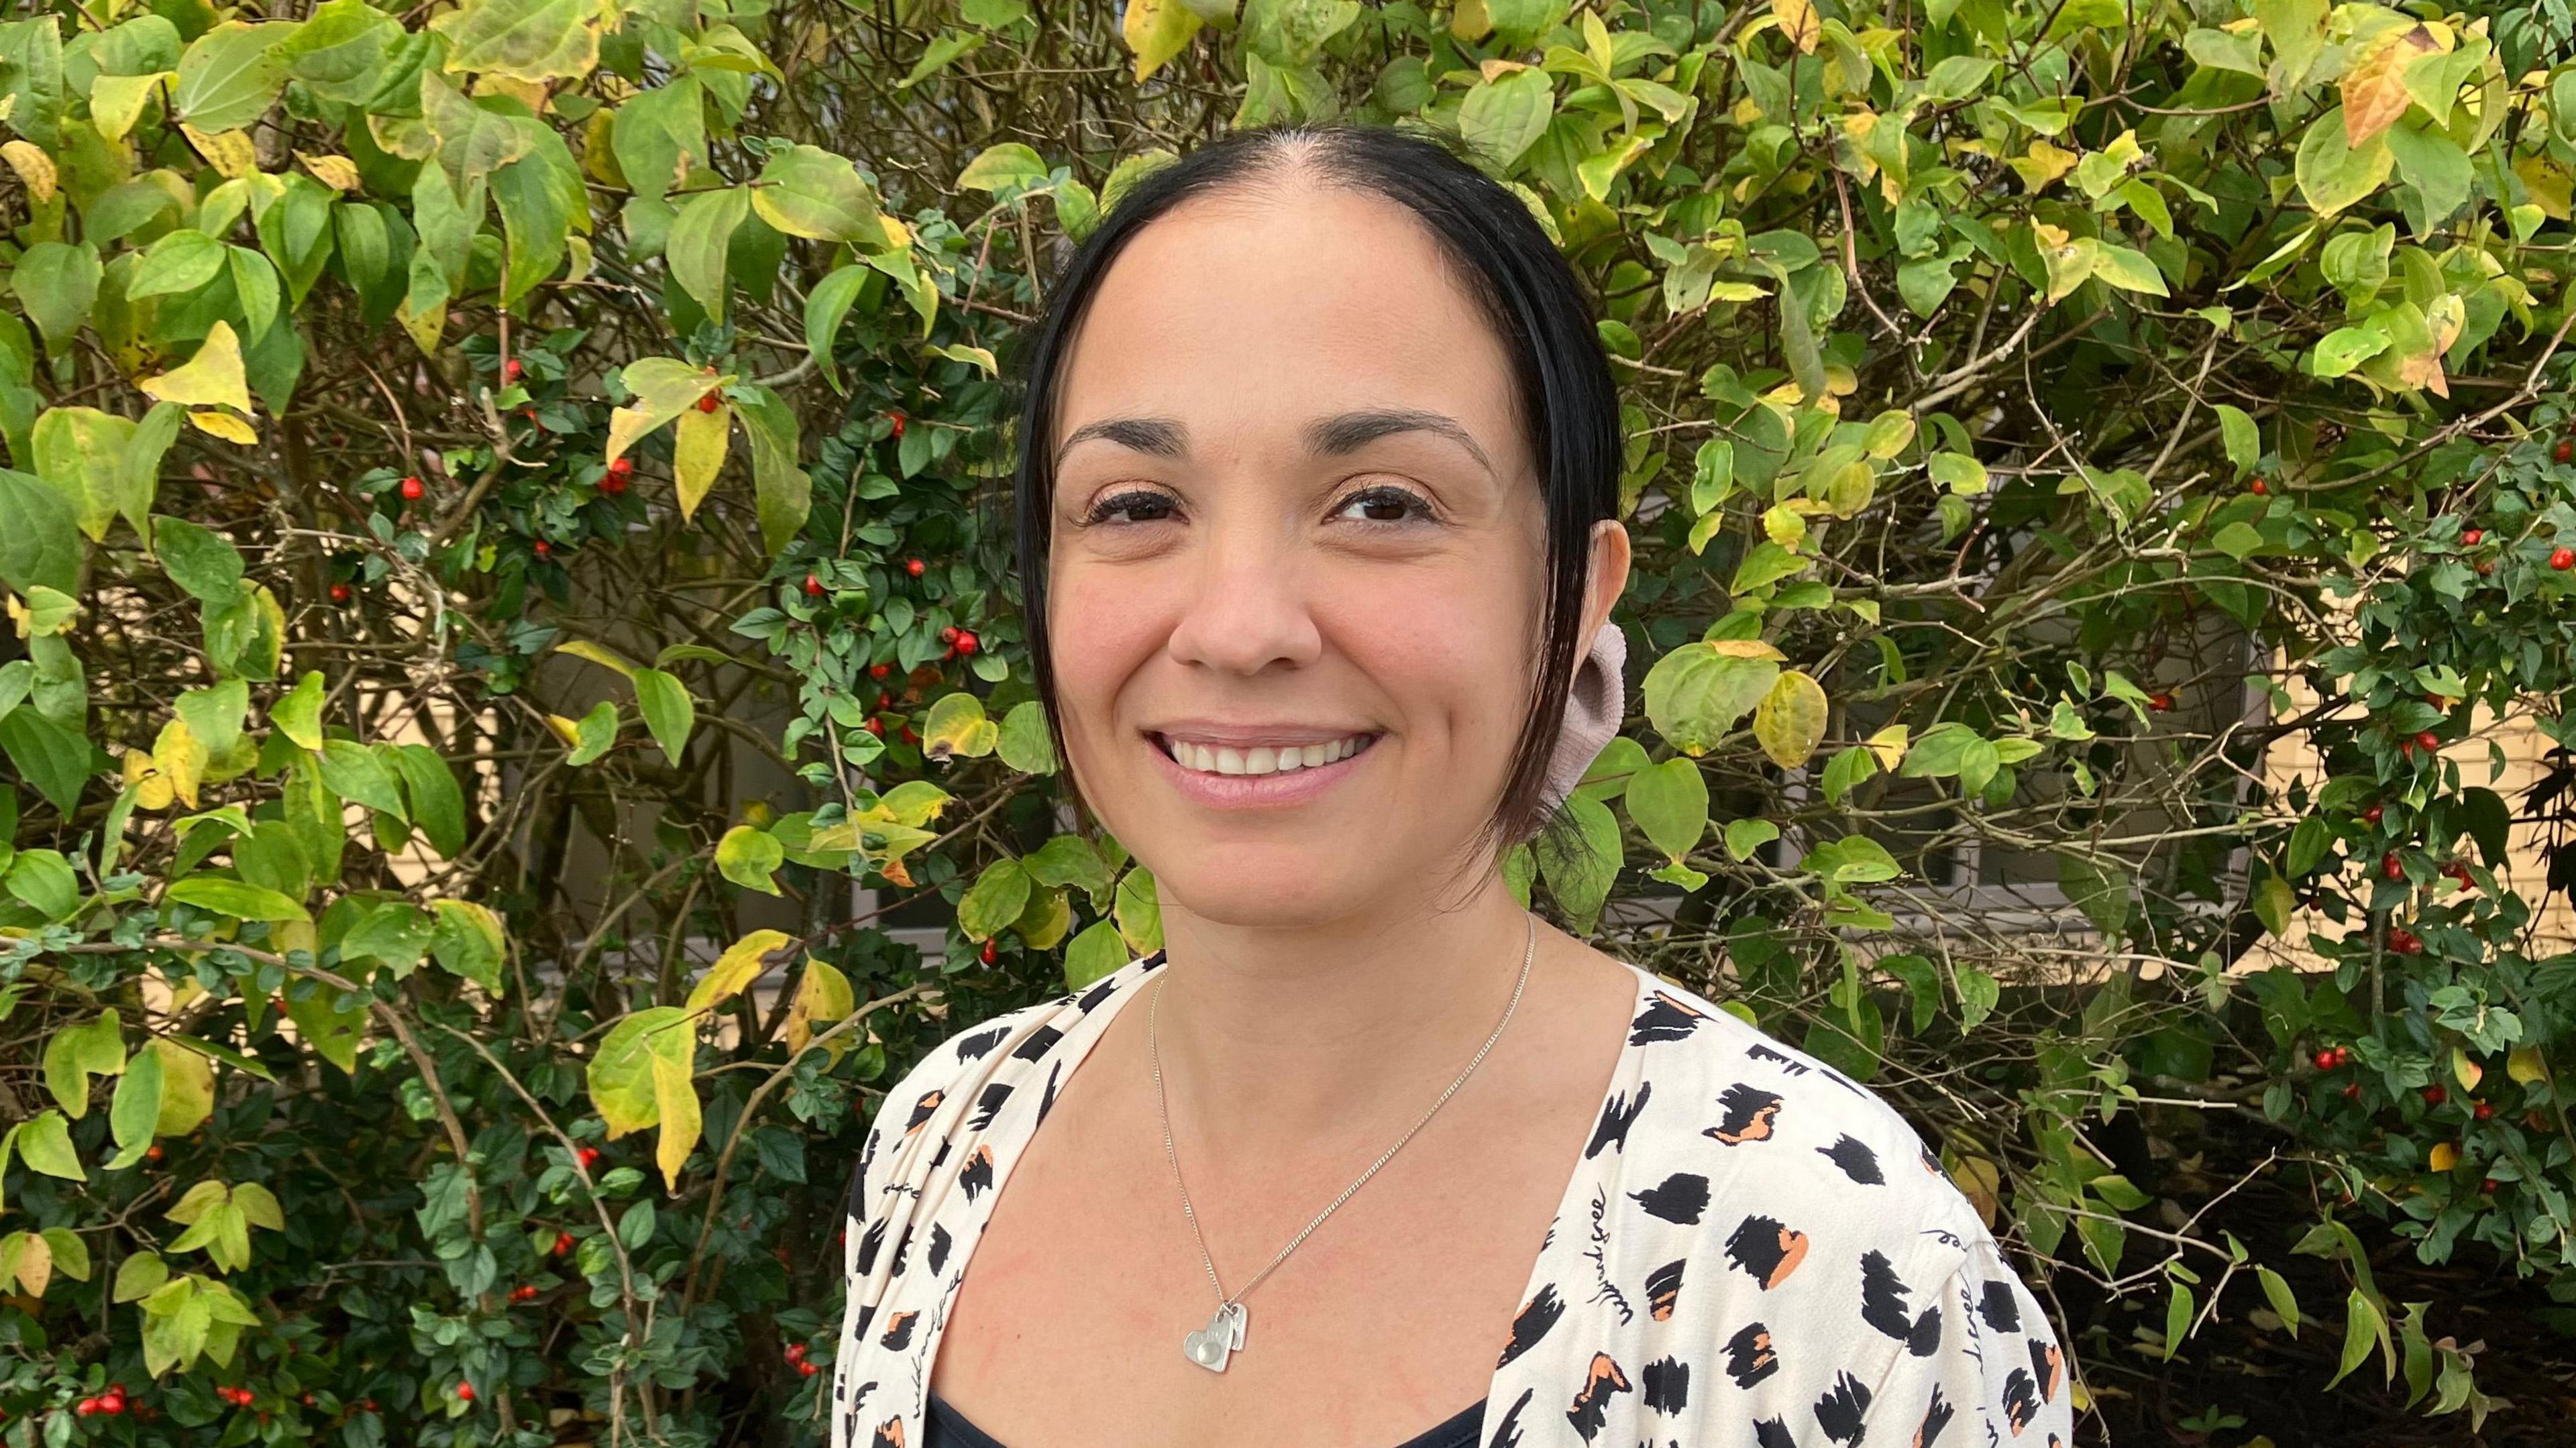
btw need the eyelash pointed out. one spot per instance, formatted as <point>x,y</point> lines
<point>1108,507</point>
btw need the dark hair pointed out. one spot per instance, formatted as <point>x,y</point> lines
<point>1504,259</point>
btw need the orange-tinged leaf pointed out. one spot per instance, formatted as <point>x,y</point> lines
<point>2374,85</point>
<point>2444,1156</point>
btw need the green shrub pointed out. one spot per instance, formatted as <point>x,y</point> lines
<point>438,772</point>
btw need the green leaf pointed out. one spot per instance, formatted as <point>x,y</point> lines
<point>2285,1303</point>
<point>2362,1326</point>
<point>825,307</point>
<point>2100,892</point>
<point>470,942</point>
<point>995,899</point>
<point>1098,951</point>
<point>394,932</point>
<point>2244,444</point>
<point>1695,694</point>
<point>654,130</point>
<point>135,1112</point>
<point>1745,836</point>
<point>228,78</point>
<point>1505,116</point>
<point>999,167</point>
<point>531,40</point>
<point>741,963</point>
<point>749,856</point>
<point>2332,174</point>
<point>1978,993</point>
<point>40,542</point>
<point>57,284</point>
<point>668,711</point>
<point>53,759</point>
<point>1025,745</point>
<point>2128,269</point>
<point>809,192</point>
<point>700,237</point>
<point>437,802</point>
<point>1764,564</point>
<point>198,560</point>
<point>298,713</point>
<point>597,732</point>
<point>1848,767</point>
<point>76,1053</point>
<point>355,772</point>
<point>233,898</point>
<point>784,492</point>
<point>1669,802</point>
<point>43,879</point>
<point>1139,911</point>
<point>621,1071</point>
<point>1579,865</point>
<point>45,1145</point>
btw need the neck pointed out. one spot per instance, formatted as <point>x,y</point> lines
<point>1288,1040</point>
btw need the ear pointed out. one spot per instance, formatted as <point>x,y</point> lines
<point>1609,574</point>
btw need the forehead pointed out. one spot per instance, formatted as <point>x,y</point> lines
<point>1246,314</point>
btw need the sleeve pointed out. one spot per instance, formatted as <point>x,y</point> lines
<point>1997,1375</point>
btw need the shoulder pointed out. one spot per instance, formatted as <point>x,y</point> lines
<point>946,1086</point>
<point>1777,1128</point>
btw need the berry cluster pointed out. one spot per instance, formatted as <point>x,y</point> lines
<point>111,1402</point>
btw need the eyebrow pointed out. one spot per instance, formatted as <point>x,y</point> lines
<point>1336,436</point>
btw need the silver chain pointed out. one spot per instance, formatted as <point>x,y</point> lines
<point>1162,1108</point>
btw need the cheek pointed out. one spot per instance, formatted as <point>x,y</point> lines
<point>1450,654</point>
<point>1101,632</point>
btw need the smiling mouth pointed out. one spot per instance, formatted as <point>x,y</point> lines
<point>1260,758</point>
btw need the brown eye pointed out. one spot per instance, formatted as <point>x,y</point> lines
<point>1385,505</point>
<point>1147,506</point>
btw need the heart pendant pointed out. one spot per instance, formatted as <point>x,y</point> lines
<point>1210,1346</point>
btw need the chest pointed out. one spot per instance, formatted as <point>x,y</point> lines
<point>1068,1326</point>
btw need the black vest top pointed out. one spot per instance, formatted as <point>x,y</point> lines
<point>945,1427</point>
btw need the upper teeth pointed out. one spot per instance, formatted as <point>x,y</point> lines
<point>1263,758</point>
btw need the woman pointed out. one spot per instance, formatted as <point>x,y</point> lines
<point>1317,513</point>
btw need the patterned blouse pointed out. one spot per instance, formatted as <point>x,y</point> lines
<point>1753,1250</point>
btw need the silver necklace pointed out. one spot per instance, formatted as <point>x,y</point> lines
<point>1211,1345</point>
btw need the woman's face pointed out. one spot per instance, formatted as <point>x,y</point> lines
<point>1295,522</point>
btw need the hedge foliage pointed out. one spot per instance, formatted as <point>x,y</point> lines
<point>506,525</point>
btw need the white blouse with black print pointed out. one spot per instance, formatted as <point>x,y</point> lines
<point>1752,1252</point>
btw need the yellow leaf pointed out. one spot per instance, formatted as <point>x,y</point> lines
<point>2467,1072</point>
<point>1799,23</point>
<point>1980,1182</point>
<point>565,730</point>
<point>229,152</point>
<point>600,654</point>
<point>2042,165</point>
<point>1790,719</point>
<point>33,167</point>
<point>337,172</point>
<point>677,1100</point>
<point>1157,30</point>
<point>2547,182</point>
<point>2443,1157</point>
<point>822,997</point>
<point>152,787</point>
<point>187,1089</point>
<point>1745,649</point>
<point>736,969</point>
<point>1470,21</point>
<point>226,426</point>
<point>116,101</point>
<point>664,388</point>
<point>423,327</point>
<point>1889,745</point>
<point>181,758</point>
<point>698,454</point>
<point>2374,84</point>
<point>2524,1066</point>
<point>213,378</point>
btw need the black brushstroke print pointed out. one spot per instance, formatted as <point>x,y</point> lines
<point>1617,1115</point>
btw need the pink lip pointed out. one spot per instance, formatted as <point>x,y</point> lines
<point>1257,791</point>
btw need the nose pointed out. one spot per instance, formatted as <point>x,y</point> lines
<point>1247,605</point>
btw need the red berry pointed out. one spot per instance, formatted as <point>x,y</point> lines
<point>2352,1091</point>
<point>2434,1095</point>
<point>2472,537</point>
<point>563,1243</point>
<point>909,737</point>
<point>948,635</point>
<point>2563,451</point>
<point>589,1156</point>
<point>813,586</point>
<point>2262,489</point>
<point>154,1152</point>
<point>879,671</point>
<point>366,1405</point>
<point>2161,702</point>
<point>2483,1110</point>
<point>885,699</point>
<point>897,419</point>
<point>988,952</point>
<point>412,490</point>
<point>85,1407</point>
<point>2486,566</point>
<point>2428,741</point>
<point>966,642</point>
<point>465,1392</point>
<point>339,593</point>
<point>876,727</point>
<point>2563,559</point>
<point>2404,942</point>
<point>512,370</point>
<point>2373,814</point>
<point>710,403</point>
<point>2326,1059</point>
<point>2391,867</point>
<point>913,566</point>
<point>2488,1185</point>
<point>806,1370</point>
<point>543,548</point>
